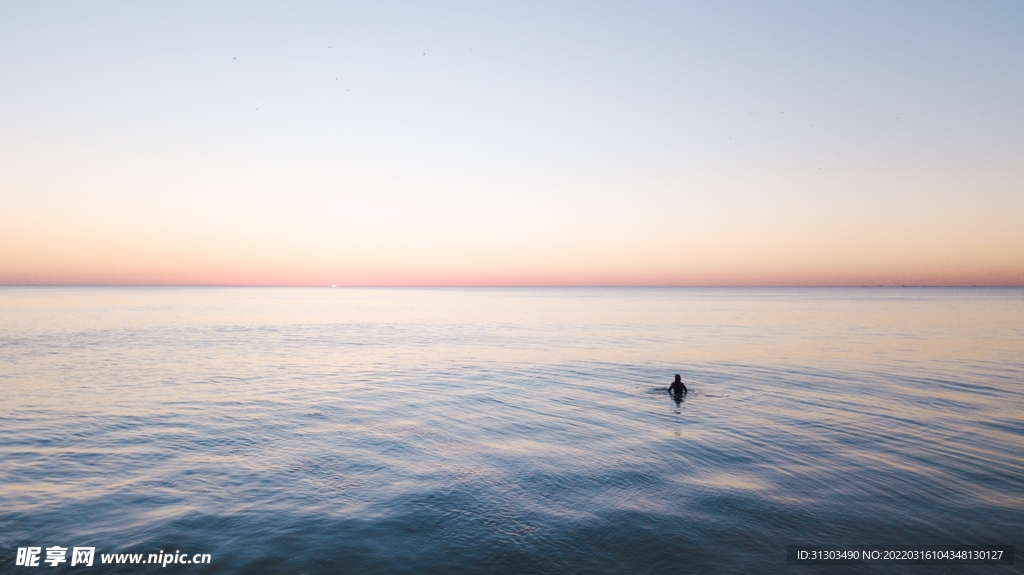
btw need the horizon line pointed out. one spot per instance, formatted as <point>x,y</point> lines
<point>508,286</point>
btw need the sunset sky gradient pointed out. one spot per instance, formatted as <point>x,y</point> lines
<point>760,143</point>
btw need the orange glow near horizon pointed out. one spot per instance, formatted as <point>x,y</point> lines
<point>759,246</point>
<point>550,272</point>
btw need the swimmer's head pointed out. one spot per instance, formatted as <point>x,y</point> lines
<point>677,378</point>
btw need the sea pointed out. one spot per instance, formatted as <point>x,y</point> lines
<point>492,430</point>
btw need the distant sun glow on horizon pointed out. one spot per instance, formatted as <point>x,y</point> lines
<point>518,144</point>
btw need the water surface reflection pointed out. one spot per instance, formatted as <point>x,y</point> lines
<point>318,430</point>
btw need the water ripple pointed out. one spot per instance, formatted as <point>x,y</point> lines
<point>288,431</point>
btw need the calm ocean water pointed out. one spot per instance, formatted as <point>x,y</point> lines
<point>508,430</point>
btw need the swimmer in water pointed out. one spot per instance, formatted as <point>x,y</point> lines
<point>677,387</point>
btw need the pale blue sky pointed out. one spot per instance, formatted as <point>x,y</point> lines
<point>568,143</point>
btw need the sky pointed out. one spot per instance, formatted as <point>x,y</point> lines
<point>516,143</point>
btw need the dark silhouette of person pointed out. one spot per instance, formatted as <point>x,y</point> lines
<point>677,388</point>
